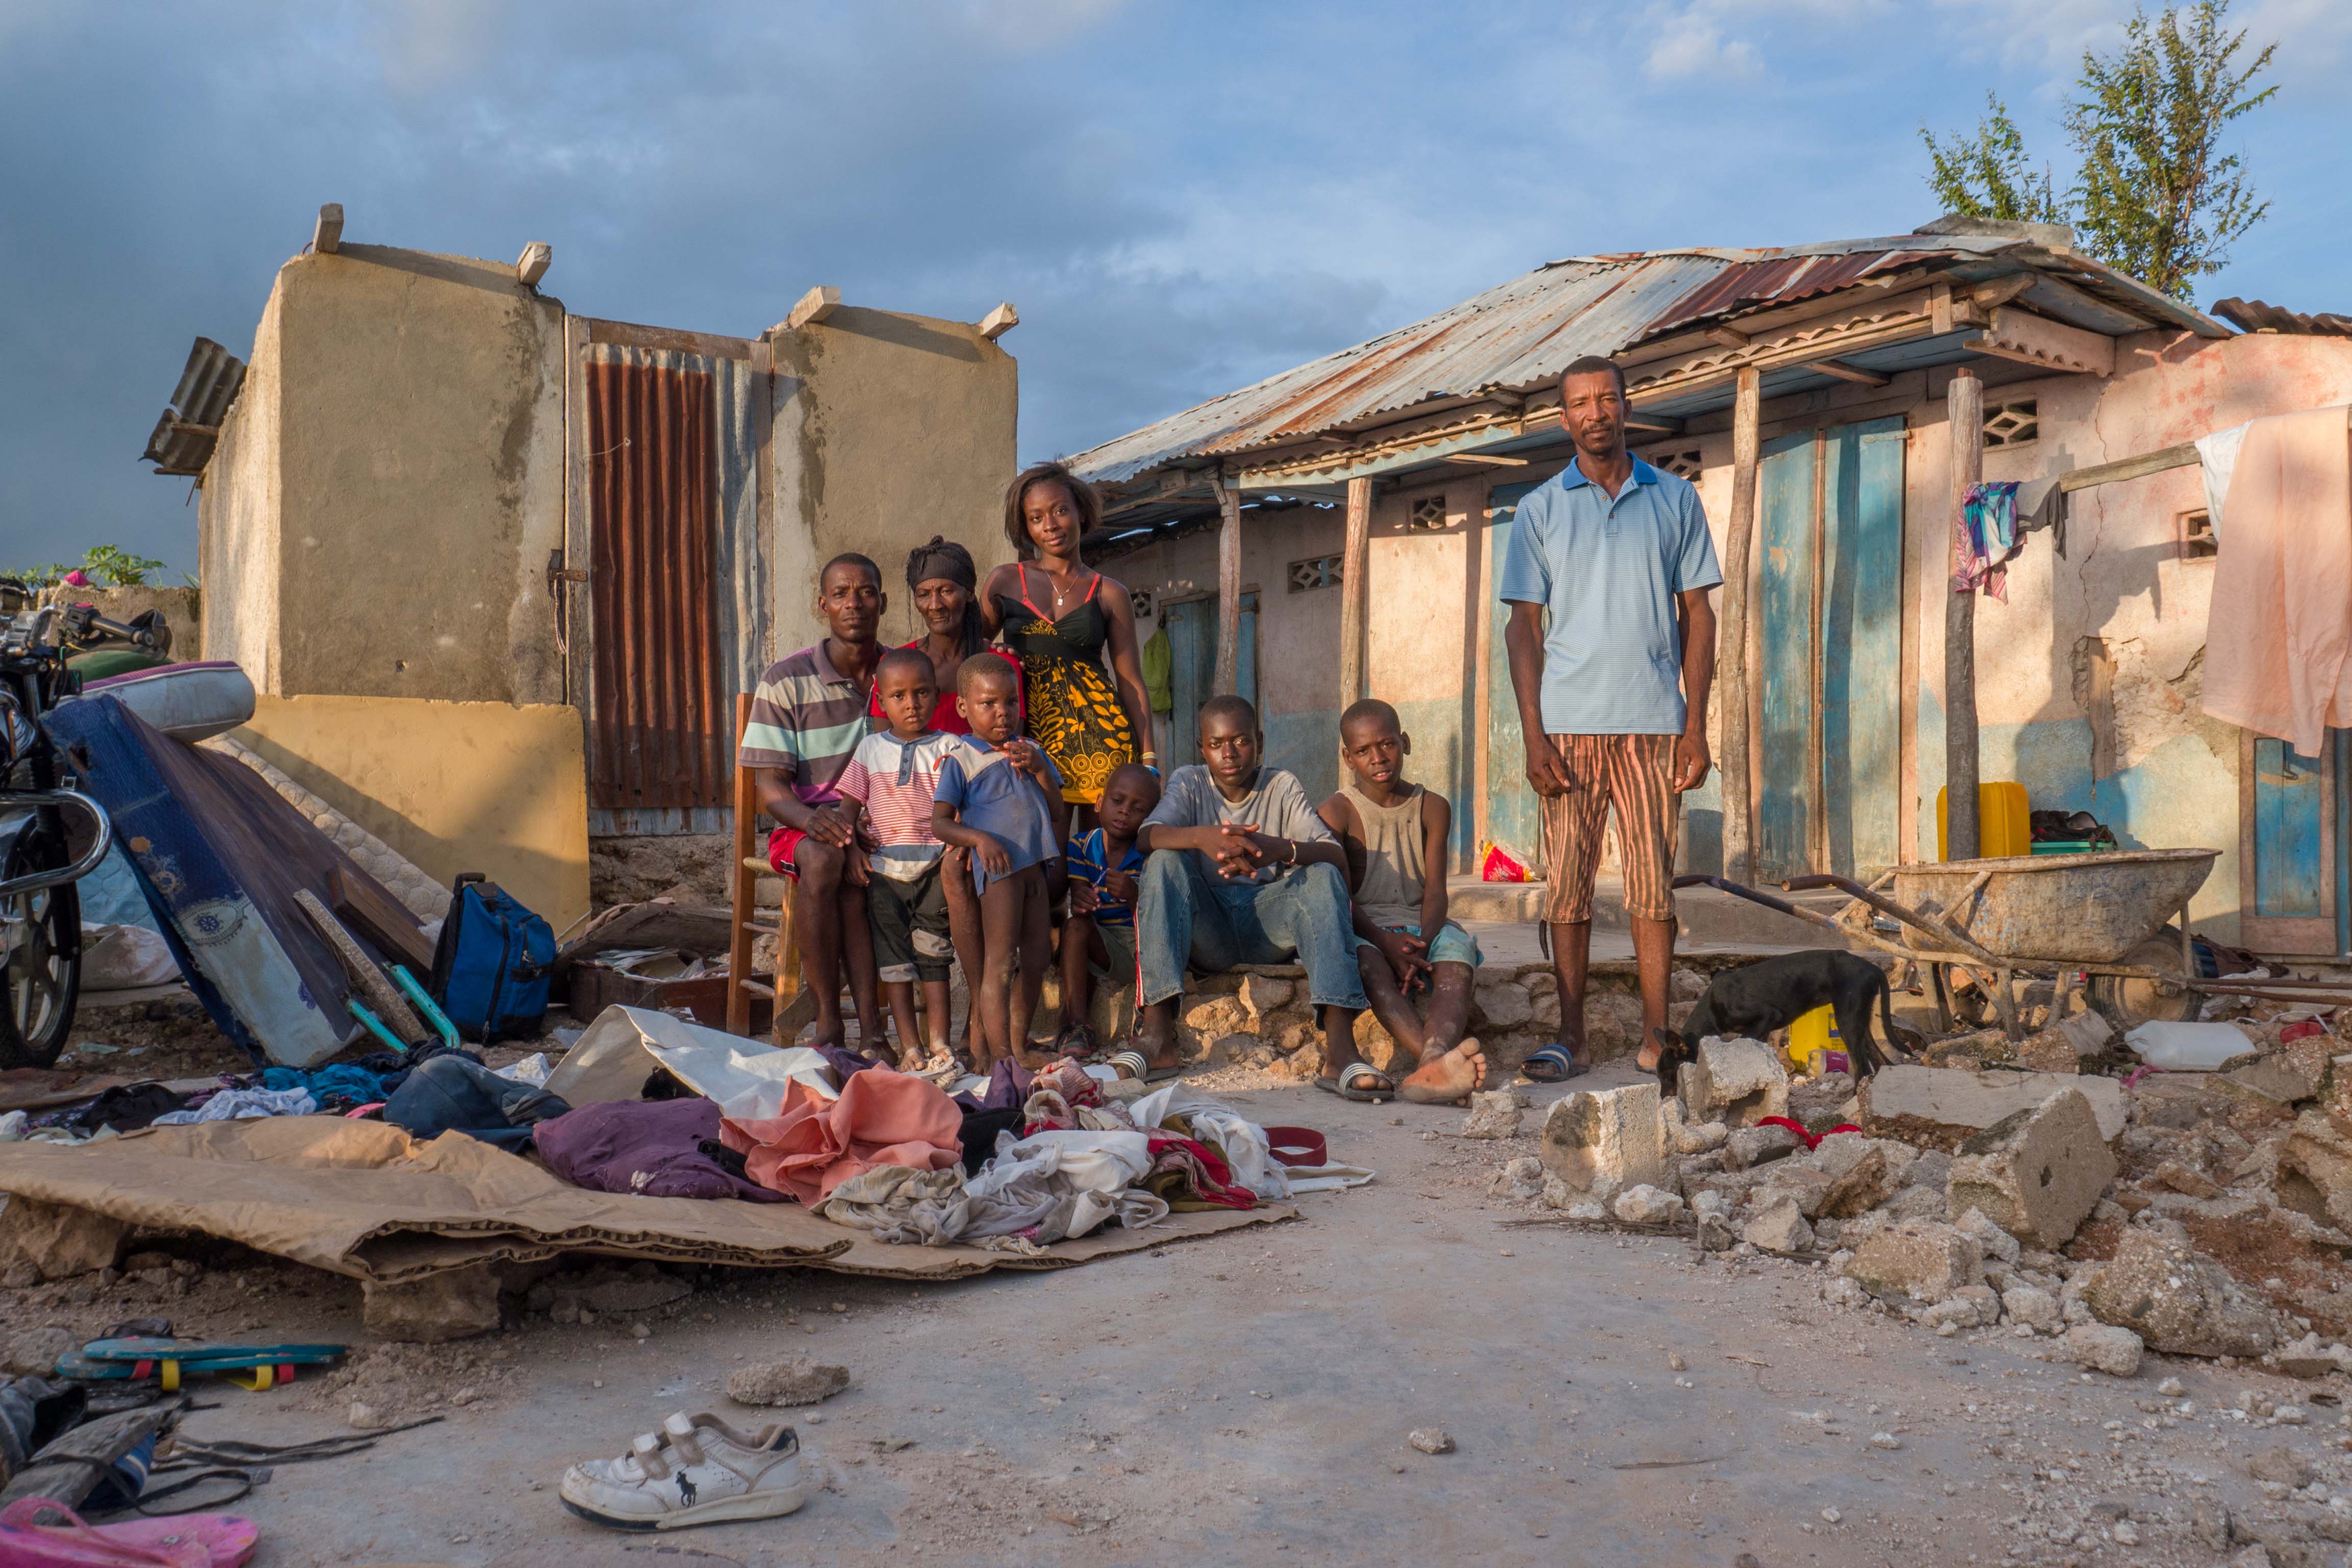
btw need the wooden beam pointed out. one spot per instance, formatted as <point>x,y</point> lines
<point>1657,424</point>
<point>814,306</point>
<point>1229,583</point>
<point>1731,647</point>
<point>1495,458</point>
<point>2046,344</point>
<point>1725,336</point>
<point>1964,426</point>
<point>1845,372</point>
<point>329,235</point>
<point>999,321</point>
<point>2155,462</point>
<point>1354,563</point>
<point>2001,291</point>
<point>532,265</point>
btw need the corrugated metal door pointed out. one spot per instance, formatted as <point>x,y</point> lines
<point>659,738</point>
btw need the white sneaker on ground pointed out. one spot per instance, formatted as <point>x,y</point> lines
<point>696,1470</point>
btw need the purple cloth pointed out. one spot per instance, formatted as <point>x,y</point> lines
<point>646,1147</point>
<point>1008,1089</point>
<point>845,1061</point>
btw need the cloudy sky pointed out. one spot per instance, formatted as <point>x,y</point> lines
<point>1181,196</point>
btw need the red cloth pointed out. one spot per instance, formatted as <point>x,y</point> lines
<point>813,1144</point>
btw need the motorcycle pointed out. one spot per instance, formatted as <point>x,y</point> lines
<point>41,911</point>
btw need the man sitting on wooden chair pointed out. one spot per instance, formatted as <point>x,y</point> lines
<point>806,720</point>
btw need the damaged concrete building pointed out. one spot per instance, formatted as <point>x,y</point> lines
<point>1359,505</point>
<point>478,553</point>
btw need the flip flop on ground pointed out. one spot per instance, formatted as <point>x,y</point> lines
<point>1552,1064</point>
<point>1350,1084</point>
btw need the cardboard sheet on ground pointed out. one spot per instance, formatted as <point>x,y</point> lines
<point>364,1199</point>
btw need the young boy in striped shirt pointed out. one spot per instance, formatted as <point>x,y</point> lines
<point>1098,935</point>
<point>891,779</point>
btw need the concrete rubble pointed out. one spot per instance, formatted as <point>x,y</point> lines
<point>1738,1082</point>
<point>1597,1144</point>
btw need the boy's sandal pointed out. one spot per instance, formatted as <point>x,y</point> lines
<point>1350,1084</point>
<point>1552,1064</point>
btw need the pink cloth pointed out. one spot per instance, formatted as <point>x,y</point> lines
<point>813,1144</point>
<point>2278,643</point>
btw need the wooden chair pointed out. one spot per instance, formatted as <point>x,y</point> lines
<point>791,1007</point>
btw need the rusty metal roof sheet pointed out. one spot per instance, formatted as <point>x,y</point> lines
<point>1525,332</point>
<point>2254,316</point>
<point>183,439</point>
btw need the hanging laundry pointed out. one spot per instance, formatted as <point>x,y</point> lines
<point>1984,536</point>
<point>813,1144</point>
<point>2278,647</point>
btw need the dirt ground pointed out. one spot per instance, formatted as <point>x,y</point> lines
<point>1246,1399</point>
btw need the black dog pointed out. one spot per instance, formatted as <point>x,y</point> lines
<point>1771,995</point>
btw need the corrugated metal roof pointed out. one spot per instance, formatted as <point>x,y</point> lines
<point>2256,317</point>
<point>1525,332</point>
<point>183,439</point>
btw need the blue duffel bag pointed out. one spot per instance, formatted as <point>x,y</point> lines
<point>494,963</point>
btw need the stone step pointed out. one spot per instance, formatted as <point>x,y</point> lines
<point>1708,915</point>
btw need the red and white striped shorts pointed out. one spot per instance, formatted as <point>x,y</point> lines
<point>1636,775</point>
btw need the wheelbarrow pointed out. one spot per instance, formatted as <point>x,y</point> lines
<point>2099,916</point>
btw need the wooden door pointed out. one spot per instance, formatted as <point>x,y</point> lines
<point>1830,606</point>
<point>1192,669</point>
<point>2290,892</point>
<point>1514,821</point>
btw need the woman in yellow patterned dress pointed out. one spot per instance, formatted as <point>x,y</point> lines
<point>1061,619</point>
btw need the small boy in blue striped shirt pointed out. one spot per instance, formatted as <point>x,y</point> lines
<point>1098,935</point>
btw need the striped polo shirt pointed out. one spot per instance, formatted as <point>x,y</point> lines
<point>896,780</point>
<point>1085,858</point>
<point>806,720</point>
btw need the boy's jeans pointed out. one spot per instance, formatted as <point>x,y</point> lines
<point>1183,912</point>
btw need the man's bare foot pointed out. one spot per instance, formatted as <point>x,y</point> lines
<point>1447,1078</point>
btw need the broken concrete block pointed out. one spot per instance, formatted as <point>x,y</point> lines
<point>1500,1004</point>
<point>454,1304</point>
<point>2034,1308</point>
<point>1794,1179</point>
<point>1916,1260</point>
<point>2180,1178</point>
<point>2103,1348</point>
<point>1522,1179</point>
<point>2311,1356</point>
<point>1701,1137</point>
<point>2177,1300</point>
<point>2037,1173</point>
<point>1715,1233</point>
<point>1867,1183</point>
<point>2314,1173</point>
<point>2279,1077</point>
<point>1937,1108</point>
<point>1780,1227</point>
<point>1601,1142</point>
<point>1839,1152</point>
<point>1753,1146</point>
<point>1493,1114</point>
<point>1969,1307</point>
<point>56,1241</point>
<point>796,1382</point>
<point>2088,1032</point>
<point>1738,1082</point>
<point>34,1353</point>
<point>1646,1204</point>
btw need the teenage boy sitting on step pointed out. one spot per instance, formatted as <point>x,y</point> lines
<point>1099,935</point>
<point>1394,833</point>
<point>1000,797</point>
<point>891,780</point>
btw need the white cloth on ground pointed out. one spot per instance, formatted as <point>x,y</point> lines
<point>532,1070</point>
<point>903,1206</point>
<point>243,1105</point>
<point>746,1077</point>
<point>1243,1141</point>
<point>1070,1182</point>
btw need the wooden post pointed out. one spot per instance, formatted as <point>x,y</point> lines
<point>1731,647</point>
<point>1353,564</point>
<point>1964,423</point>
<point>1229,585</point>
<point>741,881</point>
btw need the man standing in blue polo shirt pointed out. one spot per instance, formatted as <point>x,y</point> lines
<point>1612,694</point>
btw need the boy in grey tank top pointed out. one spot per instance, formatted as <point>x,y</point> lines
<point>1394,835</point>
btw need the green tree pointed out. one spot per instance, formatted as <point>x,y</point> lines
<point>2155,194</point>
<point>2156,197</point>
<point>1988,174</point>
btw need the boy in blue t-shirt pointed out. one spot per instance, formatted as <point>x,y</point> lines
<point>1098,935</point>
<point>1000,796</point>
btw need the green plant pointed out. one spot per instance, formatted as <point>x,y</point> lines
<point>2155,195</point>
<point>106,566</point>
